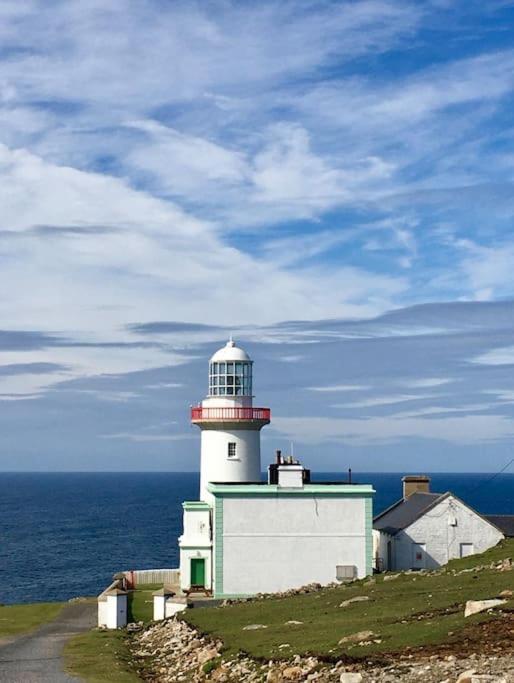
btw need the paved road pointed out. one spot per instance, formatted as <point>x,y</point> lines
<point>37,656</point>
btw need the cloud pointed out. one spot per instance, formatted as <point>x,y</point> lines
<point>130,436</point>
<point>499,356</point>
<point>379,430</point>
<point>427,382</point>
<point>309,178</point>
<point>382,401</point>
<point>340,387</point>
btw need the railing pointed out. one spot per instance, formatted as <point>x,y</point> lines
<point>230,414</point>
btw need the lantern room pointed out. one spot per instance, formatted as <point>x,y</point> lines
<point>230,372</point>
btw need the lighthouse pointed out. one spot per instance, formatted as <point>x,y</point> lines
<point>230,424</point>
<point>246,535</point>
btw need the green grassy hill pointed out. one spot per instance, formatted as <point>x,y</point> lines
<point>18,619</point>
<point>410,611</point>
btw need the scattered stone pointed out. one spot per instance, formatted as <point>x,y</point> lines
<point>476,606</point>
<point>507,593</point>
<point>358,598</point>
<point>292,622</point>
<point>357,637</point>
<point>172,651</point>
<point>292,673</point>
<point>205,655</point>
<point>391,577</point>
<point>466,676</point>
<point>350,677</point>
<point>254,627</point>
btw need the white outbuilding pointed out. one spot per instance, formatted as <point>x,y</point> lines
<point>245,535</point>
<point>425,530</point>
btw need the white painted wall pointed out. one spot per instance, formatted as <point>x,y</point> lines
<point>380,555</point>
<point>227,402</point>
<point>174,606</point>
<point>159,607</point>
<point>112,611</point>
<point>196,541</point>
<point>102,611</point>
<point>197,527</point>
<point>185,565</point>
<point>216,466</point>
<point>274,543</point>
<point>441,539</point>
<point>290,476</point>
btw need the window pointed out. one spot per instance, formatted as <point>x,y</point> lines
<point>230,379</point>
<point>231,449</point>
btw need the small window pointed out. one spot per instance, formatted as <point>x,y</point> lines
<point>231,449</point>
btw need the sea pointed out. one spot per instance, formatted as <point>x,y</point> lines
<point>64,535</point>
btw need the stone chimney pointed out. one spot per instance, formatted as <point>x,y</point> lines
<point>415,482</point>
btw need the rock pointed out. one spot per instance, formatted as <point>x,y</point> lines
<point>135,627</point>
<point>466,676</point>
<point>207,654</point>
<point>391,577</point>
<point>476,606</point>
<point>358,598</point>
<point>254,627</point>
<point>292,673</point>
<point>486,678</point>
<point>292,622</point>
<point>350,677</point>
<point>506,594</point>
<point>274,676</point>
<point>357,637</point>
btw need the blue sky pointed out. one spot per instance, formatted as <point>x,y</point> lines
<point>332,182</point>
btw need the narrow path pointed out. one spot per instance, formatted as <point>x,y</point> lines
<point>37,656</point>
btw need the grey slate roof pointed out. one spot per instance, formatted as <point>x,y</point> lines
<point>403,513</point>
<point>505,523</point>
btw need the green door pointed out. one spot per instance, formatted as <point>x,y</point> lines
<point>197,572</point>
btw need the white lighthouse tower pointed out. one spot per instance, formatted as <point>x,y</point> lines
<point>230,442</point>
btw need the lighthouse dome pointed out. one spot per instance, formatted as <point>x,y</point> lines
<point>230,372</point>
<point>230,352</point>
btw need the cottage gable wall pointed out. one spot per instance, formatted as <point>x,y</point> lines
<point>444,532</point>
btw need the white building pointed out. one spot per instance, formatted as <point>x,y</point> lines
<point>425,530</point>
<point>246,536</point>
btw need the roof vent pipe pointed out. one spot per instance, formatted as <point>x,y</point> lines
<point>278,455</point>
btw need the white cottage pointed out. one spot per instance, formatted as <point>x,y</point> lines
<point>425,530</point>
<point>245,536</point>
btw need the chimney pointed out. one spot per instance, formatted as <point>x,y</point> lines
<point>415,483</point>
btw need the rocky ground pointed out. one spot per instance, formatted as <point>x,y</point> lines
<point>172,651</point>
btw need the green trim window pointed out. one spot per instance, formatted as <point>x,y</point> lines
<point>231,378</point>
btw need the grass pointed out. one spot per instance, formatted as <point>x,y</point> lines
<point>104,656</point>
<point>412,610</point>
<point>140,603</point>
<point>17,619</point>
<point>499,552</point>
<point>100,657</point>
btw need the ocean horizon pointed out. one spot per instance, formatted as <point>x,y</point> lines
<point>64,534</point>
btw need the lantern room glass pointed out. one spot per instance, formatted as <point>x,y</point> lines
<point>231,378</point>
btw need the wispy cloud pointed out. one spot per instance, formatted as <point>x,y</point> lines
<point>310,178</point>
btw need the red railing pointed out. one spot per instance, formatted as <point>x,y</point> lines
<point>230,414</point>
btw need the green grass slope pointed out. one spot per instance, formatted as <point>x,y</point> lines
<point>18,619</point>
<point>410,611</point>
<point>100,657</point>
